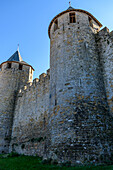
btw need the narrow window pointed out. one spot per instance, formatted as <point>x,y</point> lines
<point>55,25</point>
<point>8,65</point>
<point>90,22</point>
<point>31,71</point>
<point>55,102</point>
<point>20,66</point>
<point>63,27</point>
<point>72,17</point>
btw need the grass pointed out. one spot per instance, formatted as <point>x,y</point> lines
<point>16,162</point>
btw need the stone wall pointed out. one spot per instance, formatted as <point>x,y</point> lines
<point>31,117</point>
<point>79,123</point>
<point>105,48</point>
<point>66,114</point>
<point>10,81</point>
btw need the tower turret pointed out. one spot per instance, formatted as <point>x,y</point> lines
<point>14,74</point>
<point>78,108</point>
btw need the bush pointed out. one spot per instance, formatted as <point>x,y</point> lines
<point>67,163</point>
<point>54,162</point>
<point>13,154</point>
<point>47,161</point>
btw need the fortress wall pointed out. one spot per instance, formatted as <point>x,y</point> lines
<point>31,117</point>
<point>105,46</point>
<point>79,120</point>
<point>10,80</point>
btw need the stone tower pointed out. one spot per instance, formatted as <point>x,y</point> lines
<point>79,119</point>
<point>14,73</point>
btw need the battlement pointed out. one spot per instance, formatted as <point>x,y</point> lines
<point>14,65</point>
<point>104,31</point>
<point>111,35</point>
<point>104,36</point>
<point>37,82</point>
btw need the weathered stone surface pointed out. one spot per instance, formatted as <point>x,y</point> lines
<point>66,114</point>
<point>80,124</point>
<point>31,118</point>
<point>11,79</point>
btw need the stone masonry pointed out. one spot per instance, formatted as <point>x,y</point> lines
<point>66,114</point>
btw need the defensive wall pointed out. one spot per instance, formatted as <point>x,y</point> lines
<point>31,117</point>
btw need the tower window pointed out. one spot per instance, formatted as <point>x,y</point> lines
<point>8,65</point>
<point>72,17</point>
<point>90,22</point>
<point>55,102</point>
<point>55,25</point>
<point>20,66</point>
<point>63,27</point>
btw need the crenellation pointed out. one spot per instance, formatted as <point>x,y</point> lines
<point>111,35</point>
<point>25,87</point>
<point>104,31</point>
<point>48,72</point>
<point>35,81</point>
<point>42,77</point>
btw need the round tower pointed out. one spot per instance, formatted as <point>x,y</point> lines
<point>78,109</point>
<point>14,73</point>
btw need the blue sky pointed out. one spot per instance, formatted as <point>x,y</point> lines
<point>26,22</point>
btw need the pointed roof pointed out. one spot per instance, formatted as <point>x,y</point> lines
<point>70,8</point>
<point>16,57</point>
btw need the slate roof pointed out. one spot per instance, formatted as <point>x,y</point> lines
<point>70,8</point>
<point>16,57</point>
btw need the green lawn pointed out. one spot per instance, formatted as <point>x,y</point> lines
<point>29,163</point>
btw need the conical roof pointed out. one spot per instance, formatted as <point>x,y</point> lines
<point>15,57</point>
<point>70,8</point>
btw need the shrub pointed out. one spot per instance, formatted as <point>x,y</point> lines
<point>54,162</point>
<point>67,163</point>
<point>47,161</point>
<point>13,154</point>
